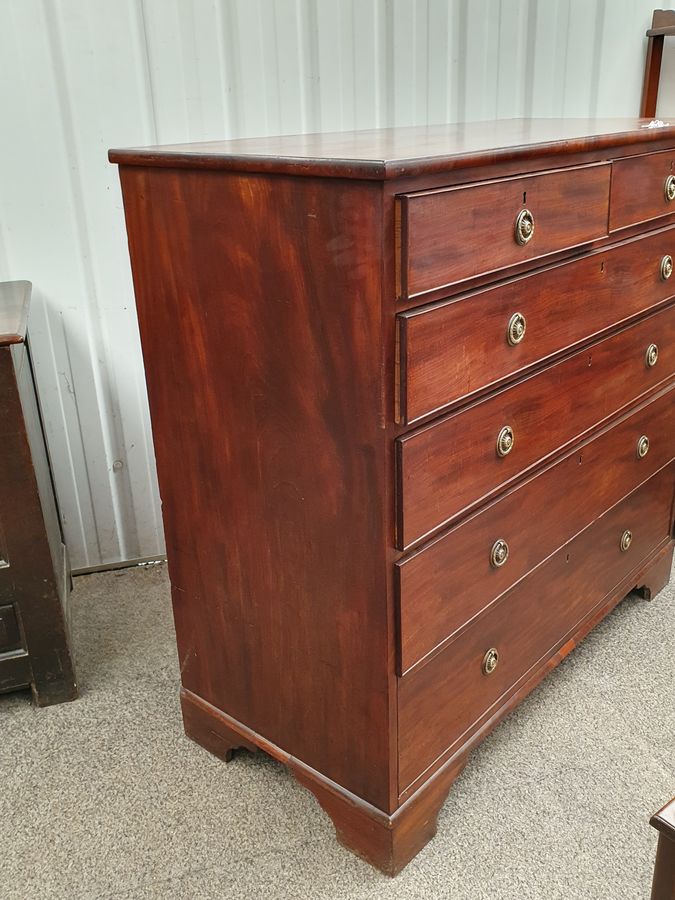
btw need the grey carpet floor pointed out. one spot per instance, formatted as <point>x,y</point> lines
<point>105,797</point>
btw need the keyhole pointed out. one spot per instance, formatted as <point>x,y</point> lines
<point>525,192</point>
<point>602,267</point>
<point>590,360</point>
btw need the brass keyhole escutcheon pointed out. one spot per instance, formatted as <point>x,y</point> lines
<point>524,228</point>
<point>490,661</point>
<point>669,188</point>
<point>517,328</point>
<point>505,441</point>
<point>626,540</point>
<point>666,267</point>
<point>642,446</point>
<point>499,553</point>
<point>651,356</point>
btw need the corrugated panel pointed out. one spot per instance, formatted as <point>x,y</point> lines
<point>79,76</point>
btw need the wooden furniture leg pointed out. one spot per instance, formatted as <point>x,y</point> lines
<point>663,885</point>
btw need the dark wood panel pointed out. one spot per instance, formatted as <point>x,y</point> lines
<point>452,464</point>
<point>33,582</point>
<point>10,639</point>
<point>534,519</point>
<point>453,349</point>
<point>442,699</point>
<point>408,151</point>
<point>15,671</point>
<point>638,188</point>
<point>260,314</point>
<point>452,234</point>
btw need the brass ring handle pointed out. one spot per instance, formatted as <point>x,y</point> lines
<point>517,328</point>
<point>642,446</point>
<point>490,661</point>
<point>669,188</point>
<point>666,267</point>
<point>524,228</point>
<point>505,441</point>
<point>499,553</point>
<point>651,355</point>
<point>626,540</point>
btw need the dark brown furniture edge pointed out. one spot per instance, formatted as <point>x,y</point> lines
<point>380,169</point>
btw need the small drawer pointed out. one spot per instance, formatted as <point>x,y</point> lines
<point>452,234</point>
<point>643,188</point>
<point>502,542</point>
<point>10,637</point>
<point>450,465</point>
<point>453,349</point>
<point>442,701</point>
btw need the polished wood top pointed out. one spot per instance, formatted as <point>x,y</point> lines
<point>664,820</point>
<point>392,152</point>
<point>14,302</point>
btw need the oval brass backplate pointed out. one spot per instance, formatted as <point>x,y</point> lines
<point>505,441</point>
<point>490,661</point>
<point>626,540</point>
<point>524,227</point>
<point>499,553</point>
<point>651,355</point>
<point>666,267</point>
<point>669,188</point>
<point>642,446</point>
<point>517,328</point>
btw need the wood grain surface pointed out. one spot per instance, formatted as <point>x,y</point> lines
<point>444,698</point>
<point>450,465</point>
<point>453,349</point>
<point>453,234</point>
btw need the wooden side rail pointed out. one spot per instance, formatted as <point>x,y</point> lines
<point>663,25</point>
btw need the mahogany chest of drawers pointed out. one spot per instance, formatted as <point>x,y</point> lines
<point>412,398</point>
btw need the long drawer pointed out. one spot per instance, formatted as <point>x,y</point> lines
<point>448,235</point>
<point>442,700</point>
<point>643,188</point>
<point>501,543</point>
<point>450,465</point>
<point>452,349</point>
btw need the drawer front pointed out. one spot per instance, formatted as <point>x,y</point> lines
<point>451,234</point>
<point>639,188</point>
<point>531,521</point>
<point>448,466</point>
<point>441,700</point>
<point>10,638</point>
<point>452,349</point>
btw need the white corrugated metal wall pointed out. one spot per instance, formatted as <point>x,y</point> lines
<point>80,76</point>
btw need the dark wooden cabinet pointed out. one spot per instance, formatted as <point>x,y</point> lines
<point>34,573</point>
<point>412,398</point>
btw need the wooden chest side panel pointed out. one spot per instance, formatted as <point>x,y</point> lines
<point>259,304</point>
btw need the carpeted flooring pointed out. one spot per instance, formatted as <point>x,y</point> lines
<point>105,797</point>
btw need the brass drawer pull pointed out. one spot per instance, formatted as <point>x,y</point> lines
<point>651,355</point>
<point>516,330</point>
<point>626,540</point>
<point>490,661</point>
<point>524,229</point>
<point>505,441</point>
<point>669,188</point>
<point>642,446</point>
<point>499,554</point>
<point>666,267</point>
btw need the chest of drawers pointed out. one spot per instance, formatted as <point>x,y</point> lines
<point>412,394</point>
